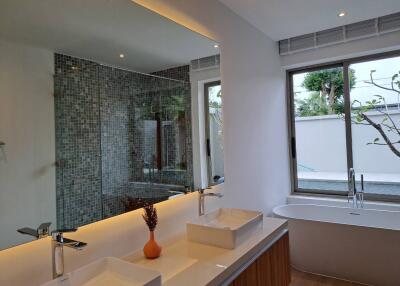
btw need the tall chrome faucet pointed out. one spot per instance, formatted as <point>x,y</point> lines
<point>357,197</point>
<point>202,196</point>
<point>57,245</point>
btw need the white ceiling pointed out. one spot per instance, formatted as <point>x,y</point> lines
<point>102,29</point>
<point>281,19</point>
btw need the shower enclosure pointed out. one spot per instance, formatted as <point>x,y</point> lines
<point>123,139</point>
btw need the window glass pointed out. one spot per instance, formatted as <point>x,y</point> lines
<point>321,158</point>
<point>375,106</point>
<point>214,131</point>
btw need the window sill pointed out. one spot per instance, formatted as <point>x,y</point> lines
<point>339,202</point>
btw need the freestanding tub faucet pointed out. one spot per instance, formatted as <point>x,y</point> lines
<point>202,196</point>
<point>351,195</point>
<point>57,245</point>
<point>357,197</point>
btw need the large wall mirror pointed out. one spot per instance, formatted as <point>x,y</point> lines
<point>95,112</point>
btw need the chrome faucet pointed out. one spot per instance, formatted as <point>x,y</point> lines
<point>202,196</point>
<point>42,231</point>
<point>57,245</point>
<point>357,197</point>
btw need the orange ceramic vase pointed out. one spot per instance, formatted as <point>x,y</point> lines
<point>152,250</point>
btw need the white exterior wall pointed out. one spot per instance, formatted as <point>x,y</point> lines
<point>321,145</point>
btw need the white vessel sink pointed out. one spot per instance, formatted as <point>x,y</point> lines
<point>224,227</point>
<point>109,271</point>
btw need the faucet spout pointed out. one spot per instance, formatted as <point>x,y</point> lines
<point>58,243</point>
<point>351,195</point>
<point>357,197</point>
<point>202,196</point>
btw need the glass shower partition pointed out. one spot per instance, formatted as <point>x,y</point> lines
<point>123,140</point>
<point>160,143</point>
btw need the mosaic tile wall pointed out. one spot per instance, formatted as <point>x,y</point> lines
<point>106,140</point>
<point>78,151</point>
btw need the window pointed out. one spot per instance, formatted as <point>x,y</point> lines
<point>214,132</point>
<point>320,131</point>
<point>347,115</point>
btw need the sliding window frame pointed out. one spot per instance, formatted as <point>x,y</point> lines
<point>345,64</point>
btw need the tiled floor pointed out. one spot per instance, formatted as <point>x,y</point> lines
<point>305,279</point>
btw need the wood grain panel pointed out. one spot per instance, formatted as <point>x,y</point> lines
<point>272,268</point>
<point>247,277</point>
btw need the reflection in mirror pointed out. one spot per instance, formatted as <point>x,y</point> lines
<point>214,132</point>
<point>95,112</point>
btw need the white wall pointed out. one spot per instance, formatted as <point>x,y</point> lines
<point>327,151</point>
<point>27,179</point>
<point>321,143</point>
<point>256,151</point>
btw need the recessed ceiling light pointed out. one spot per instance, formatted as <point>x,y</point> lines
<point>121,56</point>
<point>216,46</point>
<point>342,14</point>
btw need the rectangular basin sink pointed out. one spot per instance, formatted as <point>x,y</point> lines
<point>109,271</point>
<point>225,227</point>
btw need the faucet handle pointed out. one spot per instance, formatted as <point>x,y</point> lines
<point>58,233</point>
<point>44,229</point>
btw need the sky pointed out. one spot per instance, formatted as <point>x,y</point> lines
<point>363,91</point>
<point>213,93</point>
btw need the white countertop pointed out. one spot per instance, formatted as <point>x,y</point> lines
<point>187,263</point>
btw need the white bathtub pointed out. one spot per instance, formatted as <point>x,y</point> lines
<point>360,245</point>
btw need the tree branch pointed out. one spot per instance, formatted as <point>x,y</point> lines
<point>360,123</point>
<point>378,127</point>
<point>394,127</point>
<point>381,144</point>
<point>380,86</point>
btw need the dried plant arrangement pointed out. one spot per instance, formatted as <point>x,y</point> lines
<point>150,217</point>
<point>151,249</point>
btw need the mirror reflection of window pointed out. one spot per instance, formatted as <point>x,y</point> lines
<point>214,133</point>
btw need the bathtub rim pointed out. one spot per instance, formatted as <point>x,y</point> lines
<point>335,222</point>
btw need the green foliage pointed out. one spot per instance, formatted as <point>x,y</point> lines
<point>326,80</point>
<point>312,106</point>
<point>328,88</point>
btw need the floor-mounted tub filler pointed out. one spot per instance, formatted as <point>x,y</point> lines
<point>360,245</point>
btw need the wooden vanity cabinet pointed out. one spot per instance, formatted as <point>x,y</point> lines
<point>272,268</point>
